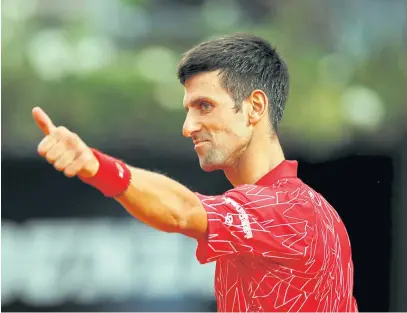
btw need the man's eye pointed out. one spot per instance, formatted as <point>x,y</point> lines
<point>205,106</point>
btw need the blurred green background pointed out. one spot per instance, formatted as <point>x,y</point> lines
<point>107,69</point>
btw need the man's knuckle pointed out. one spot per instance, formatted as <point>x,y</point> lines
<point>87,156</point>
<point>75,166</point>
<point>62,129</point>
<point>80,162</point>
<point>73,140</point>
<point>72,157</point>
<point>56,132</point>
<point>53,154</point>
<point>61,133</point>
<point>75,151</point>
<point>75,136</point>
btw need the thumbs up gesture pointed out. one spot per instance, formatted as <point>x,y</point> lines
<point>64,149</point>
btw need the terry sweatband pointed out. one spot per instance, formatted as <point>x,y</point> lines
<point>113,176</point>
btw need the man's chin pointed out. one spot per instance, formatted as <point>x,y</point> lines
<point>209,167</point>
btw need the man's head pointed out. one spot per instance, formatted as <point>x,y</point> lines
<point>235,87</point>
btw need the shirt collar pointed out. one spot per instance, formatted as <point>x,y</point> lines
<point>285,169</point>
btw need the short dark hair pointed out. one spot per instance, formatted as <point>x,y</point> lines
<point>246,62</point>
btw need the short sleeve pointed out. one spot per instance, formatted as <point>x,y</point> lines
<point>254,220</point>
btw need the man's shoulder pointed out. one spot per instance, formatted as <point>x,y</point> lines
<point>281,191</point>
<point>286,185</point>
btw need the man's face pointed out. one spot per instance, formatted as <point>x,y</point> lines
<point>219,133</point>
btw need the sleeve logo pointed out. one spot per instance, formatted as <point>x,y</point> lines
<point>229,219</point>
<point>244,219</point>
<point>120,170</point>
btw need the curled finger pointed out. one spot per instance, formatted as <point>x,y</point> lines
<point>76,166</point>
<point>56,151</point>
<point>46,145</point>
<point>64,160</point>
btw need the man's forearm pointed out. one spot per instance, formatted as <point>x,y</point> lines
<point>153,198</point>
<point>163,203</point>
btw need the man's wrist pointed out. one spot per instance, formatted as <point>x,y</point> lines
<point>112,176</point>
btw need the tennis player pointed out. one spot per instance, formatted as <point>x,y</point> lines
<point>279,246</point>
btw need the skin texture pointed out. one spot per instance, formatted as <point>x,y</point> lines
<point>238,142</point>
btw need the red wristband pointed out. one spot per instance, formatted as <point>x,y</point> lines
<point>112,178</point>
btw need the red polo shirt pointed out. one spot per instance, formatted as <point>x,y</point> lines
<point>279,246</point>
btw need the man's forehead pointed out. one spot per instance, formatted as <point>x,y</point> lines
<point>203,80</point>
<point>201,85</point>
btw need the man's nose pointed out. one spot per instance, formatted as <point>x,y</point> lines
<point>191,125</point>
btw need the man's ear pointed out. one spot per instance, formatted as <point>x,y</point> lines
<point>258,106</point>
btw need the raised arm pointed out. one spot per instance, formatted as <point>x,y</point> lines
<point>153,198</point>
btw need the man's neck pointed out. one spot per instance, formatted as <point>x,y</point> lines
<point>259,158</point>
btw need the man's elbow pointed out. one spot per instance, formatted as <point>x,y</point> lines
<point>193,223</point>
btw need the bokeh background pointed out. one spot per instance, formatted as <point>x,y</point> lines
<point>106,69</point>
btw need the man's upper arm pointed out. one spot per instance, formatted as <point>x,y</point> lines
<point>254,219</point>
<point>195,222</point>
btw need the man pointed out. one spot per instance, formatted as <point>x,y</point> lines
<point>278,244</point>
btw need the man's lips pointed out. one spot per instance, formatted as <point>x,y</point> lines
<point>199,143</point>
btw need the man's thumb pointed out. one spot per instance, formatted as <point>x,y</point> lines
<point>43,120</point>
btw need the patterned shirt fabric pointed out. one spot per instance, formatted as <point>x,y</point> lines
<point>279,246</point>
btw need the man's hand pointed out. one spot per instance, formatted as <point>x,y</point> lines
<point>64,149</point>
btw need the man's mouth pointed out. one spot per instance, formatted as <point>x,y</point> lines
<point>199,143</point>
